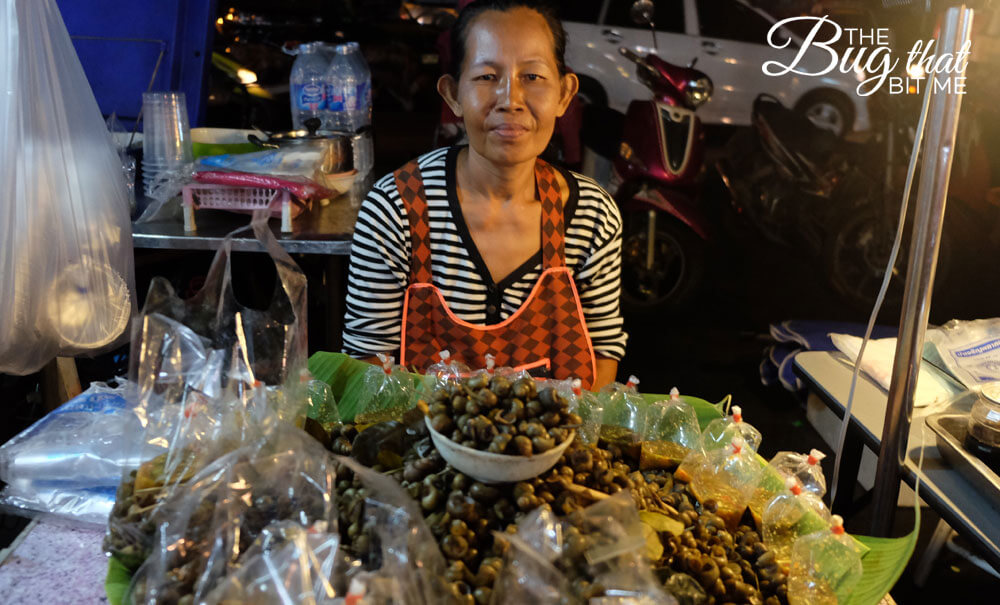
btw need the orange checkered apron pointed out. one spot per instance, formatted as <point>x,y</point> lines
<point>548,331</point>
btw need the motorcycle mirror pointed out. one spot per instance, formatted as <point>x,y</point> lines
<point>642,12</point>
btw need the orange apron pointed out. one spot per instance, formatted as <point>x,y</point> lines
<point>548,331</point>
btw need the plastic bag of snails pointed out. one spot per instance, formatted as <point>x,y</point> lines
<point>205,528</point>
<point>288,564</point>
<point>593,556</point>
<point>624,409</point>
<point>528,577</point>
<point>189,418</point>
<point>386,392</point>
<point>396,544</point>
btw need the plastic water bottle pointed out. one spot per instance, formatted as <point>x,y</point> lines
<point>341,92</point>
<point>359,114</point>
<point>306,84</point>
<point>363,117</point>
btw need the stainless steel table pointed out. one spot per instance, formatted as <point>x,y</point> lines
<point>954,498</point>
<point>326,228</point>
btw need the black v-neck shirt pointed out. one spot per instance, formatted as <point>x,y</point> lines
<point>380,262</point>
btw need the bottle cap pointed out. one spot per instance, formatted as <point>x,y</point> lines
<point>632,382</point>
<point>444,355</point>
<point>491,361</point>
<point>675,395</point>
<point>577,386</point>
<point>737,414</point>
<point>837,524</point>
<point>815,456</point>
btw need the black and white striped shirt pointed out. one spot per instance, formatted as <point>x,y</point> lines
<point>380,262</point>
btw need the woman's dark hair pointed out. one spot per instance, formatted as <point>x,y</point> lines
<point>460,31</point>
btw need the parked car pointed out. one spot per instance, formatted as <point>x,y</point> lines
<point>727,39</point>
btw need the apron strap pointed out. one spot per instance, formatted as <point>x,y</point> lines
<point>553,229</point>
<point>410,186</point>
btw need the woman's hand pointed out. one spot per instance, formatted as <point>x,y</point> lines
<point>607,369</point>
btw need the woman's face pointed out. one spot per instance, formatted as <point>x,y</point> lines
<point>510,92</point>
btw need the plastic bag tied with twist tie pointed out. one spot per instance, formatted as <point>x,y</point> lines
<point>728,475</point>
<point>623,411</point>
<point>785,518</point>
<point>670,431</point>
<point>385,393</point>
<point>587,406</point>
<point>722,431</point>
<point>825,567</point>
<point>804,467</point>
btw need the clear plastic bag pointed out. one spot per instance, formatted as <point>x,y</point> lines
<point>70,462</point>
<point>670,432</point>
<point>80,442</point>
<point>593,556</point>
<point>826,566</point>
<point>722,431</point>
<point>447,368</point>
<point>188,424</point>
<point>409,567</point>
<point>288,564</point>
<point>623,407</point>
<point>527,576</point>
<point>271,343</point>
<point>586,405</point>
<point>66,263</point>
<point>728,475</point>
<point>804,467</point>
<point>970,350</point>
<point>783,516</point>
<point>386,392</point>
<point>204,529</point>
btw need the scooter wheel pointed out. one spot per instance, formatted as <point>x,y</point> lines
<point>677,272</point>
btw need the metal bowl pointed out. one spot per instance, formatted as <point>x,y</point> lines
<point>337,147</point>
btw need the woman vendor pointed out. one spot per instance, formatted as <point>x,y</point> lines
<point>485,248</point>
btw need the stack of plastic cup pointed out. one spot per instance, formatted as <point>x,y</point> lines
<point>166,140</point>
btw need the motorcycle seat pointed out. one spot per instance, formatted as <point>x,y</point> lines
<point>793,130</point>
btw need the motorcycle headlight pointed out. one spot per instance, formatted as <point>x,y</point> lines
<point>699,91</point>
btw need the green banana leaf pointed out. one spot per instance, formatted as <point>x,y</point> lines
<point>117,581</point>
<point>884,559</point>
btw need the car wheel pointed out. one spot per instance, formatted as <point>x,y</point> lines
<point>829,110</point>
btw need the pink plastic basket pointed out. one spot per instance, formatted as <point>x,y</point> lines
<point>236,199</point>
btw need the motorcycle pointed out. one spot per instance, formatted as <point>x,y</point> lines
<point>791,178</point>
<point>654,181</point>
